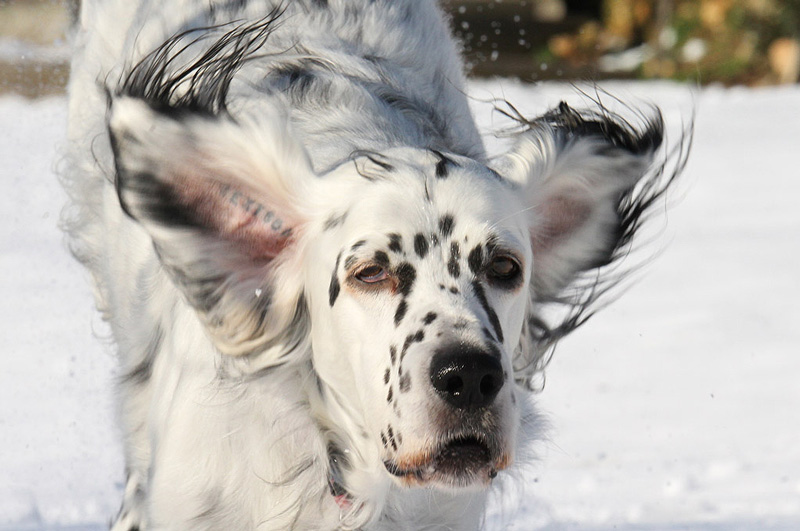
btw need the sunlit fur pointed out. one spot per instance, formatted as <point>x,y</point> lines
<point>236,168</point>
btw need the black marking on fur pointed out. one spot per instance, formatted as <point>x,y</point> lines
<point>381,258</point>
<point>401,312</point>
<point>390,395</point>
<point>490,313</point>
<point>292,335</point>
<point>429,318</point>
<point>295,79</point>
<point>358,245</point>
<point>454,290</point>
<point>411,339</point>
<point>334,288</point>
<point>386,375</point>
<point>350,261</point>
<point>142,371</point>
<point>383,164</point>
<point>434,240</point>
<point>420,245</point>
<point>367,172</point>
<point>168,81</point>
<point>453,267</point>
<point>203,293</point>
<point>475,260</point>
<point>383,440</point>
<point>619,134</point>
<point>334,221</point>
<point>407,343</point>
<point>157,202</point>
<point>406,275</point>
<point>446,225</point>
<point>405,383</point>
<point>442,287</point>
<point>392,468</point>
<point>393,354</point>
<point>492,246</point>
<point>390,433</point>
<point>442,164</point>
<point>395,243</point>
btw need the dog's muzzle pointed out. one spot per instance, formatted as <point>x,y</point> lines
<point>467,380</point>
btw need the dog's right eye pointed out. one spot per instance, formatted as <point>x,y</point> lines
<point>372,274</point>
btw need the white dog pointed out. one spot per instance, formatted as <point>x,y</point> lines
<point>327,301</point>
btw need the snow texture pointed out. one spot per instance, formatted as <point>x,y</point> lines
<point>675,408</point>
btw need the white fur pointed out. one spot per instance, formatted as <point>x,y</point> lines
<point>230,399</point>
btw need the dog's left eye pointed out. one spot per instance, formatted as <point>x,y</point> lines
<point>372,274</point>
<point>504,269</point>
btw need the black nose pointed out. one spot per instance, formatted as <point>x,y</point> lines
<point>466,378</point>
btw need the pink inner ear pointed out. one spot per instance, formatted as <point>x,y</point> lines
<point>257,229</point>
<point>559,217</point>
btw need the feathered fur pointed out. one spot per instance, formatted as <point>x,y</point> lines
<point>327,301</point>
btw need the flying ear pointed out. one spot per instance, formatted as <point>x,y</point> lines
<point>218,198</point>
<point>588,178</point>
<point>575,171</point>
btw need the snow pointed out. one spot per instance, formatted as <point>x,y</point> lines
<point>675,408</point>
<point>60,460</point>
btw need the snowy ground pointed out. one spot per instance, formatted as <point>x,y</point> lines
<point>676,408</point>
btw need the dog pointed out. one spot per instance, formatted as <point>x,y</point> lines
<point>329,303</point>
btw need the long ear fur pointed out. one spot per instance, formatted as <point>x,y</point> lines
<point>218,199</point>
<point>588,179</point>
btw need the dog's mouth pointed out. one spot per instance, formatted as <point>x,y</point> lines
<point>459,462</point>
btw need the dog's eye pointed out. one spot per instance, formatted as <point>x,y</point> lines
<point>504,269</point>
<point>372,274</point>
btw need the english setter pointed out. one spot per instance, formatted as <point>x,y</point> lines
<point>328,301</point>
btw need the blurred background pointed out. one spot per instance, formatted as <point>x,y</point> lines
<point>750,42</point>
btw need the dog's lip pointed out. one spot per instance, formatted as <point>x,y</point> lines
<point>458,461</point>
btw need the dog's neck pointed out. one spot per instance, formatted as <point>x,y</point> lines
<point>366,495</point>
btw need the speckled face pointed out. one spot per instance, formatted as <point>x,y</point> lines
<point>419,310</point>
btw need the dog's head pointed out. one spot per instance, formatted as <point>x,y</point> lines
<point>411,280</point>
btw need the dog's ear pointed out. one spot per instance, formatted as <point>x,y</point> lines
<point>575,170</point>
<point>220,201</point>
<point>586,179</point>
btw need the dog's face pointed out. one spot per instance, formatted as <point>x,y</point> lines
<point>409,279</point>
<point>417,284</point>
